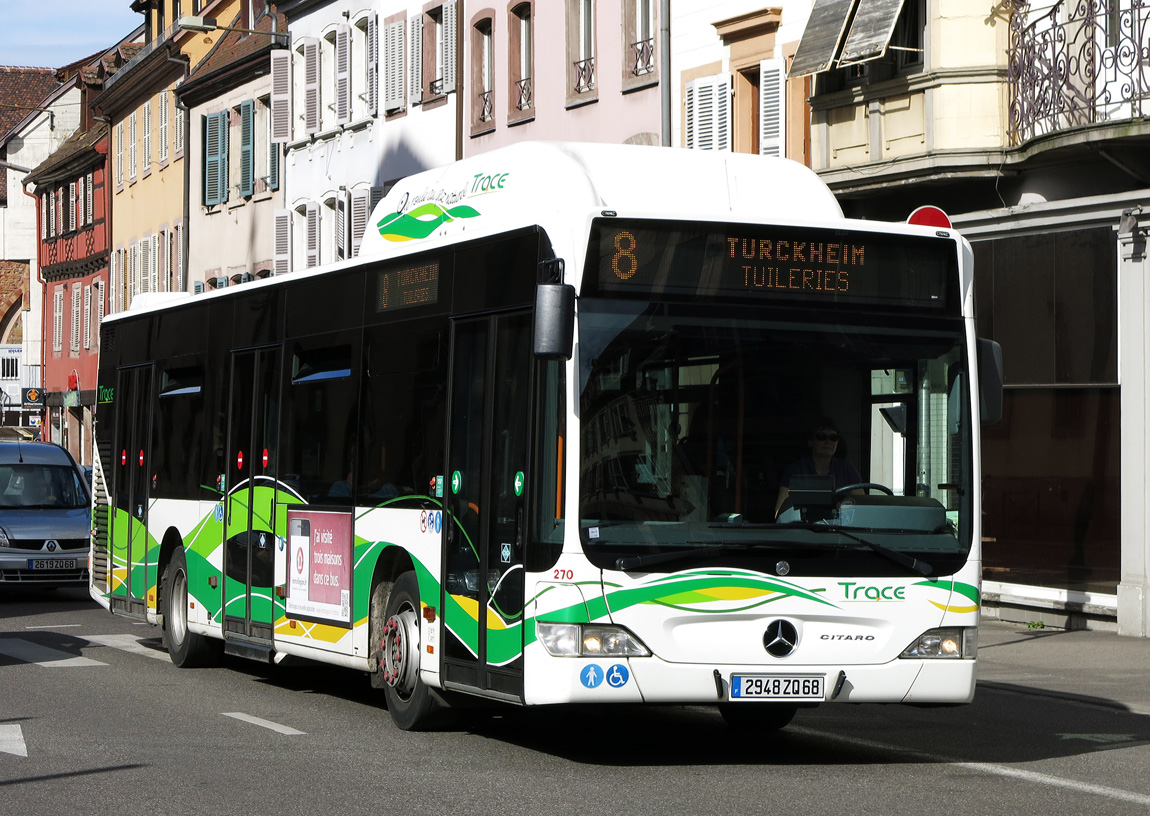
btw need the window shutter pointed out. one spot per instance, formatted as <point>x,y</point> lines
<point>341,242</point>
<point>343,74</point>
<point>372,78</point>
<point>114,268</point>
<point>311,114</point>
<point>360,210</point>
<point>71,206</point>
<point>77,294</point>
<point>393,57</point>
<point>147,259</point>
<point>52,213</point>
<point>43,216</point>
<point>101,308</point>
<point>311,214</point>
<point>281,96</point>
<point>132,141</point>
<point>282,250</point>
<point>119,154</point>
<point>147,157</point>
<point>709,113</point>
<point>772,107</point>
<point>225,122</point>
<point>247,148</point>
<point>179,138</point>
<point>211,160</point>
<point>58,319</point>
<point>273,166</point>
<point>86,329</point>
<point>417,59</point>
<point>178,252</point>
<point>163,261</point>
<point>91,207</point>
<point>449,46</point>
<point>163,126</point>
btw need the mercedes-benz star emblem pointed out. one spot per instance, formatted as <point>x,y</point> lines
<point>781,638</point>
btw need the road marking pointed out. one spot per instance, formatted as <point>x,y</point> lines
<point>248,718</point>
<point>57,626</point>
<point>984,767</point>
<point>31,652</point>
<point>12,740</point>
<point>127,643</point>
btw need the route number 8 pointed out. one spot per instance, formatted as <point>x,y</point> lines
<point>624,264</point>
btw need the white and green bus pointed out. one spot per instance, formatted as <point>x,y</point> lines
<point>541,442</point>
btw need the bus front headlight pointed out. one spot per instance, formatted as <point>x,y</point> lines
<point>589,640</point>
<point>950,643</point>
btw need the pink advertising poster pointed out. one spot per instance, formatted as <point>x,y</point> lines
<point>319,566</point>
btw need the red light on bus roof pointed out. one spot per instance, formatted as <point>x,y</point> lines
<point>124,457</point>
<point>141,457</point>
<point>928,216</point>
<point>265,457</point>
<point>240,460</point>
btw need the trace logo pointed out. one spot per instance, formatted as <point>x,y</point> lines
<point>858,592</point>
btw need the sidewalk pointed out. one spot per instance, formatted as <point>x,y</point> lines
<point>1096,667</point>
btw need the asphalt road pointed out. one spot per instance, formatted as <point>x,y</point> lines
<point>93,718</point>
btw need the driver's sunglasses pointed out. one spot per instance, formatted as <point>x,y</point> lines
<point>825,437</point>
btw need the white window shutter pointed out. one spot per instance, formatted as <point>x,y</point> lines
<point>43,216</point>
<point>772,107</point>
<point>178,145</point>
<point>119,154</point>
<point>52,213</point>
<point>89,215</point>
<point>132,141</point>
<point>311,216</point>
<point>416,59</point>
<point>341,242</point>
<point>178,252</point>
<point>146,259</point>
<point>372,78</point>
<point>77,294</point>
<point>86,329</point>
<point>393,62</point>
<point>163,126</point>
<point>58,319</point>
<point>312,115</point>
<point>281,96</point>
<point>72,206</point>
<point>343,74</point>
<point>449,45</point>
<point>282,239</point>
<point>709,113</point>
<point>147,157</point>
<point>360,210</point>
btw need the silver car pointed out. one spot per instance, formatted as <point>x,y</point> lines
<point>45,516</point>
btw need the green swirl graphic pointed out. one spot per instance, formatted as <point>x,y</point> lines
<point>421,222</point>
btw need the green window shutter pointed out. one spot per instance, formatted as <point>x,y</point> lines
<point>224,117</point>
<point>273,166</point>
<point>247,149</point>
<point>211,191</point>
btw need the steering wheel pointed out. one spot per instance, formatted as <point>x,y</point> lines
<point>863,486</point>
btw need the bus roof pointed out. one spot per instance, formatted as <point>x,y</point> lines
<point>558,185</point>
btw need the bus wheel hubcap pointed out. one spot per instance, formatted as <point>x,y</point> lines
<point>400,640</point>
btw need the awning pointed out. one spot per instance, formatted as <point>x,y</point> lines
<point>871,30</point>
<point>871,24</point>
<point>820,42</point>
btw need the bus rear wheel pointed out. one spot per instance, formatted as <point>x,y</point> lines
<point>758,717</point>
<point>187,649</point>
<point>413,706</point>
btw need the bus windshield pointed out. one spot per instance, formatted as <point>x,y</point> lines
<point>696,420</point>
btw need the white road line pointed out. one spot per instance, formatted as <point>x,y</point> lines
<point>57,626</point>
<point>248,718</point>
<point>43,656</point>
<point>984,767</point>
<point>12,741</point>
<point>127,643</point>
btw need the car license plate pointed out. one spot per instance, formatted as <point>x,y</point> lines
<point>777,687</point>
<point>52,564</point>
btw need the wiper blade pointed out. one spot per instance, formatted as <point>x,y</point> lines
<point>911,563</point>
<point>636,561</point>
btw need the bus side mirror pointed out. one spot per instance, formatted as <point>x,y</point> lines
<point>554,320</point>
<point>989,381</point>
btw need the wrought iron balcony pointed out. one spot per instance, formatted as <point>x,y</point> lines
<point>585,75</point>
<point>486,106</point>
<point>524,88</point>
<point>643,57</point>
<point>1081,62</point>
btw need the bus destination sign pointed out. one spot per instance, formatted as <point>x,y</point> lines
<point>773,263</point>
<point>409,286</point>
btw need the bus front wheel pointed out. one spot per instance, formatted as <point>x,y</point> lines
<point>395,637</point>
<point>187,649</point>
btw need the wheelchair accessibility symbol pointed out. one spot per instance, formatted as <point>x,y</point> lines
<point>617,676</point>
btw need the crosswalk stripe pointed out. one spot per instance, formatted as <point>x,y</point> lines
<point>12,741</point>
<point>30,652</point>
<point>127,643</point>
<point>274,726</point>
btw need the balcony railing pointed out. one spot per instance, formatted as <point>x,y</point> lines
<point>524,88</point>
<point>585,75</point>
<point>643,57</point>
<point>486,106</point>
<point>1081,62</point>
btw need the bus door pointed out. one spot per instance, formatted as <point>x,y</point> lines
<point>249,506</point>
<point>486,499</point>
<point>131,552</point>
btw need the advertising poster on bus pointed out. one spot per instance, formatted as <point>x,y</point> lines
<point>319,566</point>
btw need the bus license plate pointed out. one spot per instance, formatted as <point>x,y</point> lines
<point>777,687</point>
<point>52,564</point>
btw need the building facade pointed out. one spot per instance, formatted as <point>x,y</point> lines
<point>1045,173</point>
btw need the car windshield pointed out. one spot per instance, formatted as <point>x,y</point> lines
<point>41,486</point>
<point>701,426</point>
